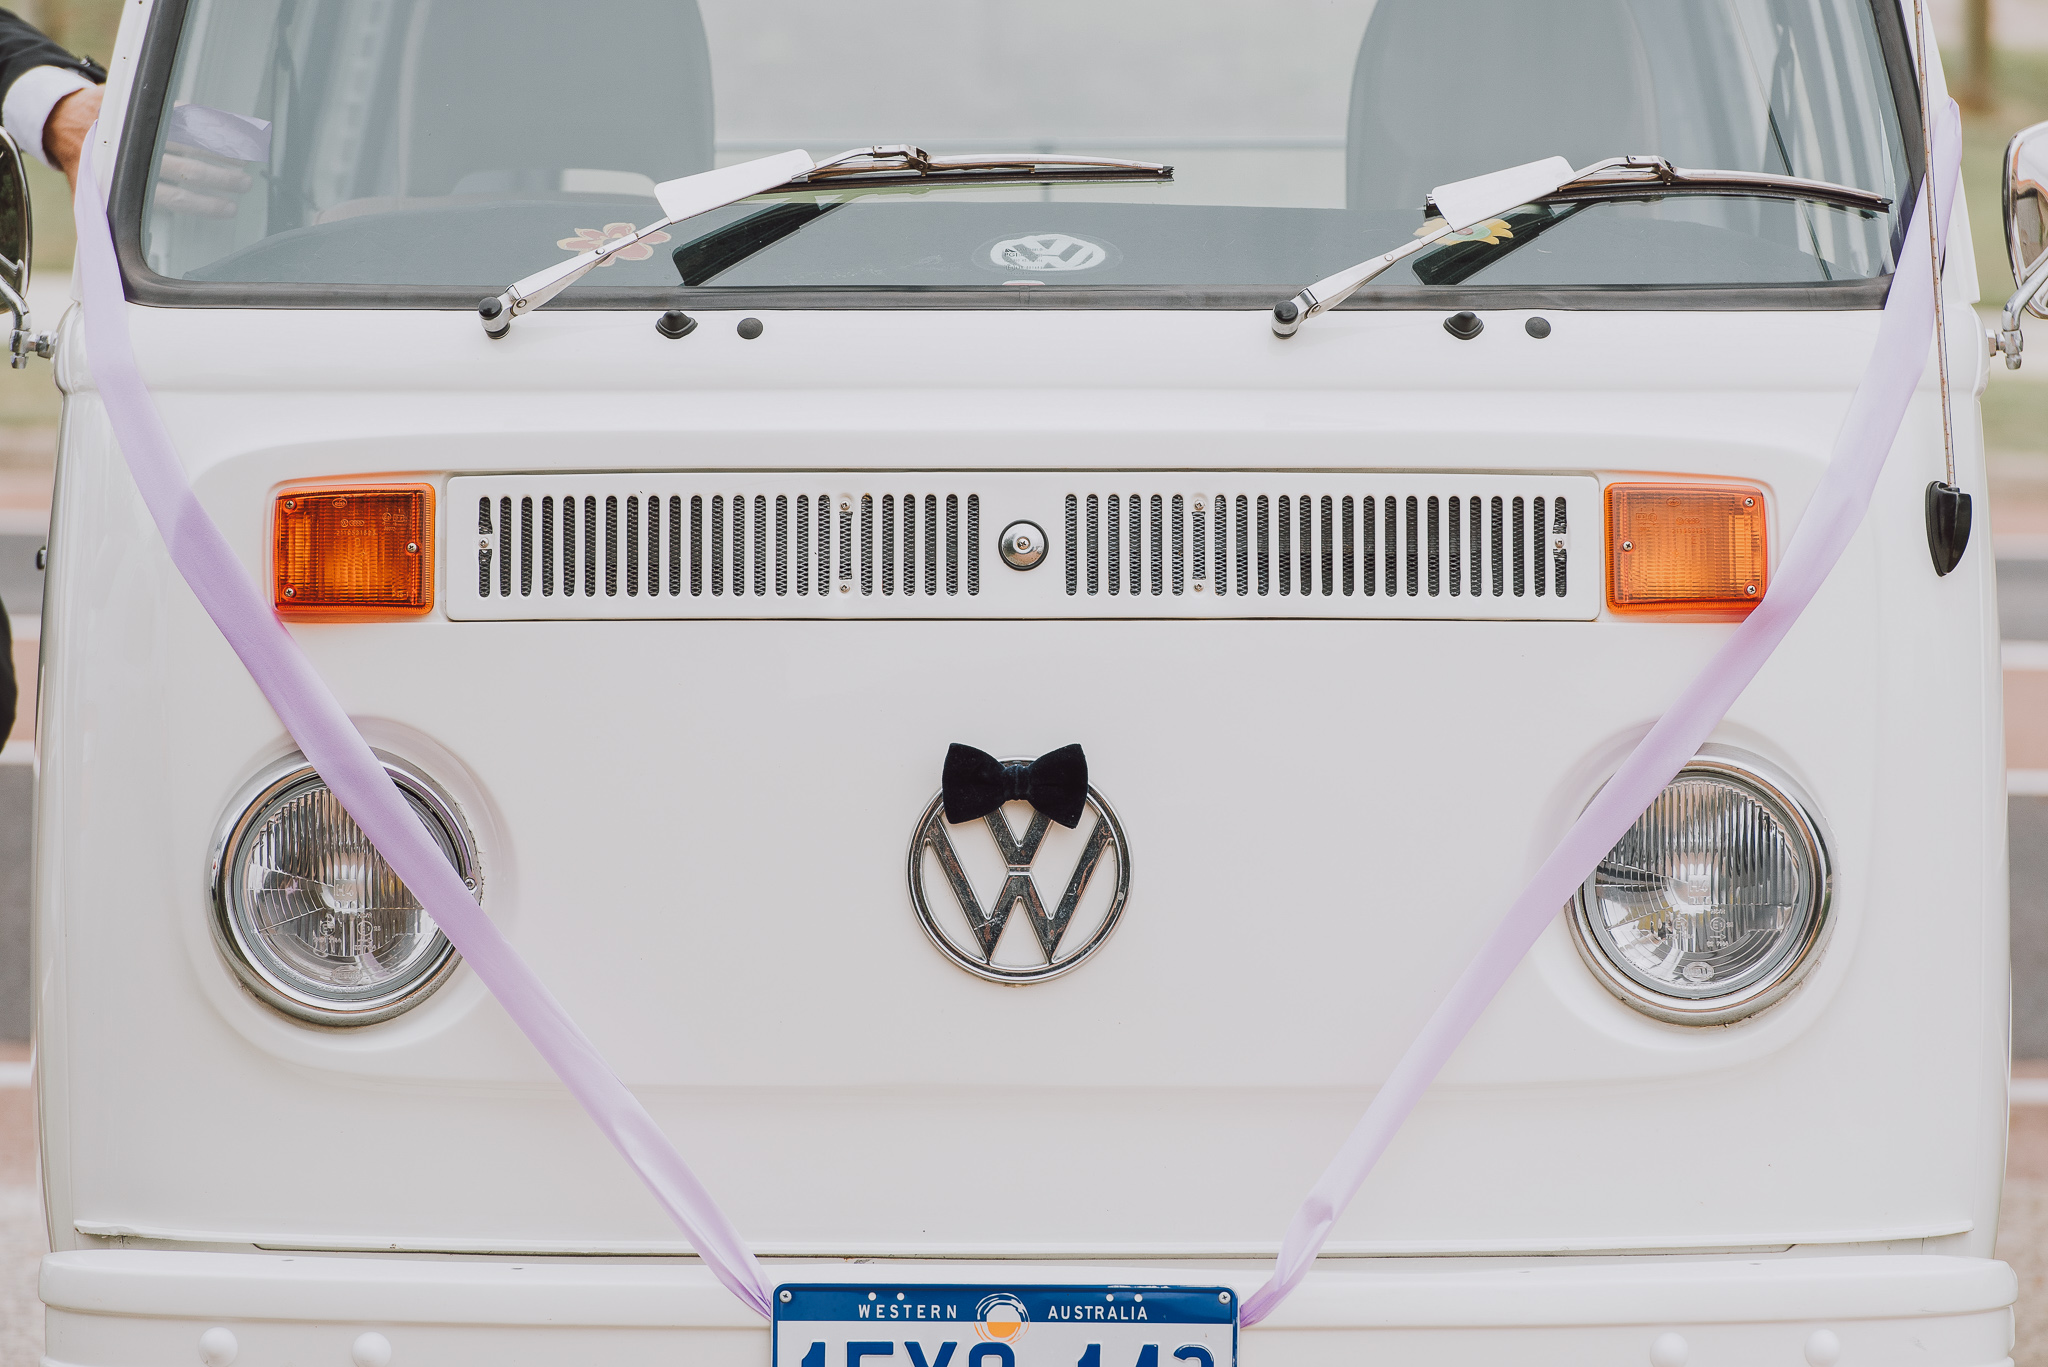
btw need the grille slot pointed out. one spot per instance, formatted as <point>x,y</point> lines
<point>1131,545</point>
<point>974,543</point>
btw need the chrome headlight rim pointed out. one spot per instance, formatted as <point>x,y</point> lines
<point>274,783</point>
<point>1774,788</point>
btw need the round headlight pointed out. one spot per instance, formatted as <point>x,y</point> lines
<point>1713,904</point>
<point>311,917</point>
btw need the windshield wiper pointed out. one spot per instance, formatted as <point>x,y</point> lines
<point>679,199</point>
<point>1466,204</point>
<point>884,166</point>
<point>899,164</point>
<point>864,169</point>
<point>1647,177</point>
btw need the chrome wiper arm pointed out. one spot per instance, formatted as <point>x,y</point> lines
<point>679,199</point>
<point>1458,208</point>
<point>897,164</point>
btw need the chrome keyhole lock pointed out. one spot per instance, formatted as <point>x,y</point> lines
<point>1022,545</point>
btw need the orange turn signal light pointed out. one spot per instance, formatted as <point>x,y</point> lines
<point>1686,550</point>
<point>351,554</point>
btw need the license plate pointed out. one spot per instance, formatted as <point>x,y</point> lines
<point>910,1325</point>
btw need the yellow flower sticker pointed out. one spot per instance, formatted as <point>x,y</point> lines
<point>1490,232</point>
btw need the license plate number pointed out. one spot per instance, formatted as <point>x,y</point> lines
<point>911,1325</point>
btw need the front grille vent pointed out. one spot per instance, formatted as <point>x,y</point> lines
<point>731,544</point>
<point>1329,545</point>
<point>1133,544</point>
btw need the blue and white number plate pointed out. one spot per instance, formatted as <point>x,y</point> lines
<point>1004,1326</point>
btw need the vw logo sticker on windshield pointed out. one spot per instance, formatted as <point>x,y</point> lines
<point>1046,252</point>
<point>1088,871</point>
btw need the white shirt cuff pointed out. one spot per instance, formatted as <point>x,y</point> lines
<point>29,102</point>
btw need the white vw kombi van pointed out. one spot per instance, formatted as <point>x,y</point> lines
<point>997,715</point>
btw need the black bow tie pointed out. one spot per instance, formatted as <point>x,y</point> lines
<point>976,783</point>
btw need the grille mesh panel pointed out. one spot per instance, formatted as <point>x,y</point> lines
<point>1125,545</point>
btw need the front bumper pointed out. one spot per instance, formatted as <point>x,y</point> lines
<point>135,1308</point>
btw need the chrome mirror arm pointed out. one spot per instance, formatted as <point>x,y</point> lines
<point>24,341</point>
<point>2008,341</point>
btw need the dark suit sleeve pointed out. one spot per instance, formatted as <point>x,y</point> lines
<point>23,47</point>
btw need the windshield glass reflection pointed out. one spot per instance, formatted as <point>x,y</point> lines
<point>466,142</point>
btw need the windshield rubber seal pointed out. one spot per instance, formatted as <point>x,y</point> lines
<point>144,286</point>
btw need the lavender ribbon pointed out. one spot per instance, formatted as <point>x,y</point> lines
<point>337,750</point>
<point>1836,510</point>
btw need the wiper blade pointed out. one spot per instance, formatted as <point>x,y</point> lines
<point>883,166</point>
<point>1631,177</point>
<point>1458,209</point>
<point>896,164</point>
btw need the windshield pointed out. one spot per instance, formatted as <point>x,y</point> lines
<point>444,143</point>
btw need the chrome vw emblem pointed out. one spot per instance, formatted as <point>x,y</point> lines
<point>1047,252</point>
<point>1059,939</point>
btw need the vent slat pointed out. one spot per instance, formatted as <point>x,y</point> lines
<point>633,546</point>
<point>888,543</point>
<point>1286,545</point>
<point>1158,545</point>
<point>1180,579</point>
<point>867,544</point>
<point>717,548</point>
<point>1305,532</point>
<point>1116,559</point>
<point>1559,533</point>
<point>1137,544</point>
<point>1094,545</point>
<point>1394,552</point>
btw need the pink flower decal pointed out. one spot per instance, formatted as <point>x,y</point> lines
<point>590,239</point>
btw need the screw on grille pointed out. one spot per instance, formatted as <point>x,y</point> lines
<point>1022,545</point>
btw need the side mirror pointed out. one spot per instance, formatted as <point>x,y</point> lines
<point>17,232</point>
<point>2026,204</point>
<point>2026,236</point>
<point>17,241</point>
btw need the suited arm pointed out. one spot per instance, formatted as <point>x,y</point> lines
<point>48,97</point>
